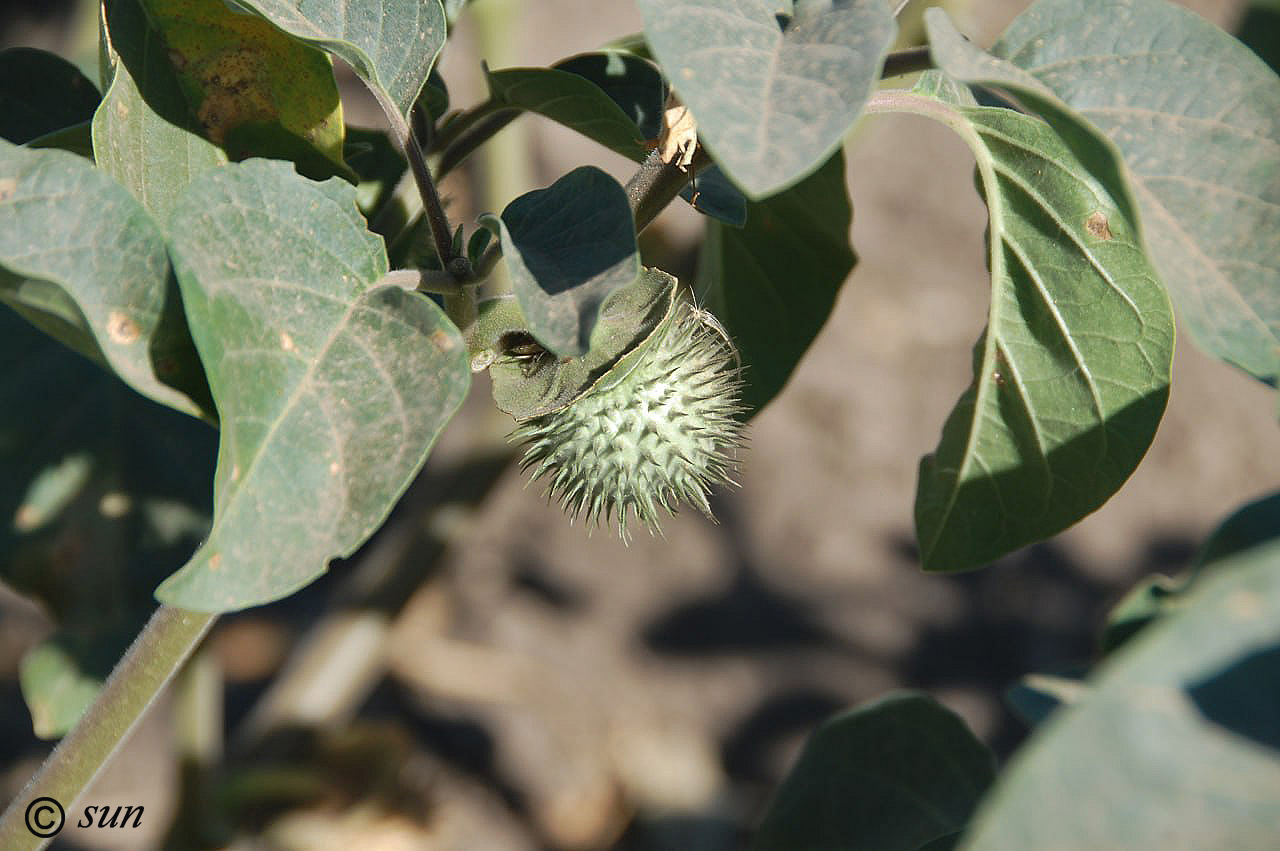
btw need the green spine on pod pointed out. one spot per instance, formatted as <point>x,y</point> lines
<point>659,429</point>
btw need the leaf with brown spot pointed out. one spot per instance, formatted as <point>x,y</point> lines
<point>1195,115</point>
<point>238,69</point>
<point>1097,225</point>
<point>1071,376</point>
<point>330,386</point>
<point>143,132</point>
<point>391,44</point>
<point>82,260</point>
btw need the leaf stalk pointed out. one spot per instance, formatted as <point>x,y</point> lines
<point>160,649</point>
<point>454,263</point>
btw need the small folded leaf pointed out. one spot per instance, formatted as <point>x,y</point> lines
<point>391,44</point>
<point>1254,524</point>
<point>1072,373</point>
<point>1196,116</point>
<point>84,261</point>
<point>567,247</point>
<point>1177,742</point>
<point>476,245</point>
<point>773,97</point>
<point>773,282</point>
<point>894,774</point>
<point>434,98</point>
<point>330,387</point>
<point>41,93</point>
<point>1152,598</point>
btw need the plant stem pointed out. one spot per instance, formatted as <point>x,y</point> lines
<point>901,101</point>
<point>149,663</point>
<point>908,61</point>
<point>656,183</point>
<point>423,280</point>
<point>432,208</point>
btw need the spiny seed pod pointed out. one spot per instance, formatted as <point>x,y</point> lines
<point>659,429</point>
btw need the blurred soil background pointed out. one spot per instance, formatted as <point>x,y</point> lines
<point>483,676</point>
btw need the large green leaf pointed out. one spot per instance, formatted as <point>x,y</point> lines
<point>330,387</point>
<point>239,72</point>
<point>773,282</point>
<point>1072,373</point>
<point>194,82</point>
<point>144,134</point>
<point>83,260</point>
<point>391,44</point>
<point>1177,744</point>
<point>898,773</point>
<point>104,494</point>
<point>567,248</point>
<point>1196,116</point>
<point>772,96</point>
<point>41,93</point>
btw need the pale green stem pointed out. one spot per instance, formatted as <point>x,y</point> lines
<point>504,159</point>
<point>898,100</point>
<point>150,662</point>
<point>423,280</point>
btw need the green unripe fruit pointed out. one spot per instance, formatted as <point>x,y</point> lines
<point>658,429</point>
